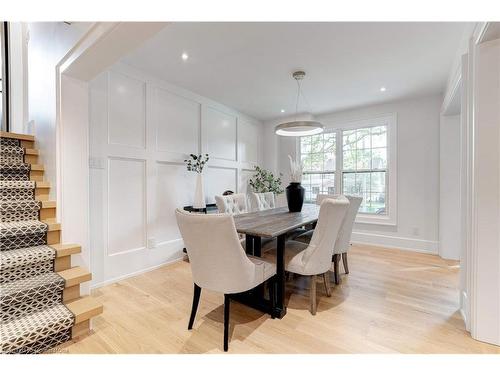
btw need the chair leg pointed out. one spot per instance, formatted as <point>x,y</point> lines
<point>196,300</point>
<point>227,301</point>
<point>336,260</point>
<point>312,297</point>
<point>326,280</point>
<point>344,260</point>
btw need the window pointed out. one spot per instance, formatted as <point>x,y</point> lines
<point>355,159</point>
<point>318,156</point>
<point>364,167</point>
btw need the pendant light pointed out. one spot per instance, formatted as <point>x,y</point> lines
<point>298,128</point>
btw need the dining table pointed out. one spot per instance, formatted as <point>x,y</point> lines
<point>270,224</point>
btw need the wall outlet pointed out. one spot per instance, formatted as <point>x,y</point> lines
<point>151,243</point>
<point>416,231</point>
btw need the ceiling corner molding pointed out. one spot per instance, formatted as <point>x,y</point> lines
<point>103,45</point>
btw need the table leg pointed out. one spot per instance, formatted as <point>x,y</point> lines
<point>257,246</point>
<point>249,241</point>
<point>280,276</point>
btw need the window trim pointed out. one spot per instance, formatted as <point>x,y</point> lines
<point>389,120</point>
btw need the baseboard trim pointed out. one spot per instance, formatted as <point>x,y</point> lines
<point>138,272</point>
<point>393,242</point>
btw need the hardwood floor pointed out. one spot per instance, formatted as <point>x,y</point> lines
<point>391,302</point>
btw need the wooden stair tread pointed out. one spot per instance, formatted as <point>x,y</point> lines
<point>37,167</point>
<point>75,275</point>
<point>42,184</point>
<point>31,151</point>
<point>24,137</point>
<point>53,224</point>
<point>84,308</point>
<point>48,204</point>
<point>63,250</point>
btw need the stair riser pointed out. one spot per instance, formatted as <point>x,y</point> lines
<point>48,213</point>
<point>31,159</point>
<point>36,175</point>
<point>42,194</point>
<point>27,144</point>
<point>62,263</point>
<point>71,293</point>
<point>80,329</point>
<point>53,237</point>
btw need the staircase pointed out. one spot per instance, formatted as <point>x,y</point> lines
<point>40,302</point>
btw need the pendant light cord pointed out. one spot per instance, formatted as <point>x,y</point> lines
<point>297,101</point>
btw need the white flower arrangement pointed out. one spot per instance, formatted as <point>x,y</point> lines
<point>295,170</point>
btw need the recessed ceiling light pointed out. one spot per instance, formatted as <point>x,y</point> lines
<point>185,56</point>
<point>382,89</point>
<point>282,111</point>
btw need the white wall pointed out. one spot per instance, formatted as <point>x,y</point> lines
<point>418,171</point>
<point>141,130</point>
<point>18,77</point>
<point>449,187</point>
<point>73,206</point>
<point>485,297</point>
<point>48,43</point>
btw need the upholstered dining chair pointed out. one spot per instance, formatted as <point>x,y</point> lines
<point>232,204</point>
<point>220,264</point>
<point>343,242</point>
<point>261,201</point>
<point>315,259</point>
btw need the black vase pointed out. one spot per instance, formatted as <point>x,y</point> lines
<point>295,196</point>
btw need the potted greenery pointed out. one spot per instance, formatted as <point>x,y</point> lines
<point>265,181</point>
<point>196,163</point>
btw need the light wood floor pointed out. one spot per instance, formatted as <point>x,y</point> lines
<point>391,302</point>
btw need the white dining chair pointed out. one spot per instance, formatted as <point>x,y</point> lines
<point>343,242</point>
<point>219,263</point>
<point>261,201</point>
<point>232,204</point>
<point>315,259</point>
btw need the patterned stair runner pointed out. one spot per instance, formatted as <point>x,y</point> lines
<point>32,316</point>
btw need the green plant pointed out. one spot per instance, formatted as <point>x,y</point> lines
<point>196,162</point>
<point>264,181</point>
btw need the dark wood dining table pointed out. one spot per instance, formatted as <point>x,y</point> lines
<point>273,223</point>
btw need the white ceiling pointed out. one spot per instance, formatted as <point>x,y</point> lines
<point>248,66</point>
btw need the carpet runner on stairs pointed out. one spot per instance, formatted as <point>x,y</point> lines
<point>33,318</point>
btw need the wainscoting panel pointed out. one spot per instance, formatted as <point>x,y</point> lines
<point>248,142</point>
<point>219,133</point>
<point>126,205</point>
<point>243,181</point>
<point>175,187</point>
<point>177,122</point>
<point>126,112</point>
<point>218,180</point>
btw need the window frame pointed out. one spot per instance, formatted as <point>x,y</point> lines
<point>388,120</point>
<point>329,172</point>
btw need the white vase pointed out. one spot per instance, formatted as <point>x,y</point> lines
<point>199,195</point>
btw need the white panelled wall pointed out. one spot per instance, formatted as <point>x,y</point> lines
<point>141,130</point>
